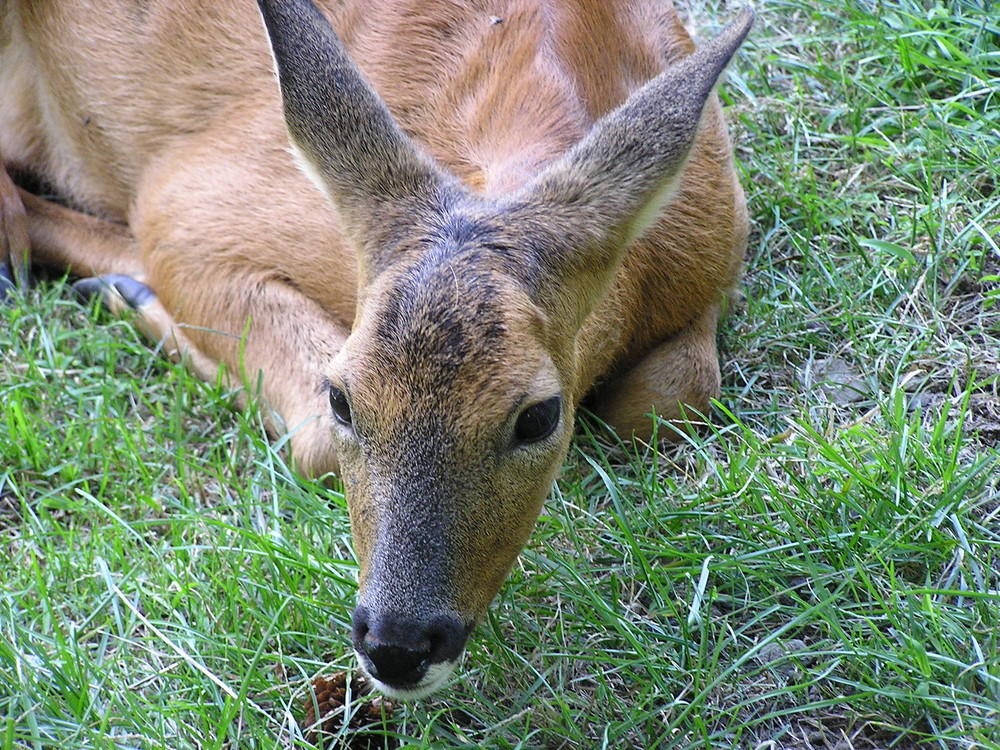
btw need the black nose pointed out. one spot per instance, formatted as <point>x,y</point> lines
<point>398,649</point>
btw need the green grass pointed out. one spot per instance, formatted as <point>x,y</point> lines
<point>822,568</point>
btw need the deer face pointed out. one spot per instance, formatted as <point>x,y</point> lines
<point>452,420</point>
<point>454,394</point>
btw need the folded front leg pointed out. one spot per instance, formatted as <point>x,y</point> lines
<point>66,240</point>
<point>269,337</point>
<point>251,327</point>
<point>676,381</point>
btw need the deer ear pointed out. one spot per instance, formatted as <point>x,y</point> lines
<point>610,188</point>
<point>342,132</point>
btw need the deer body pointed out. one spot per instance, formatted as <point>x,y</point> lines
<point>498,225</point>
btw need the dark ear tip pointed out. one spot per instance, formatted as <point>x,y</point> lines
<point>722,48</point>
<point>744,21</point>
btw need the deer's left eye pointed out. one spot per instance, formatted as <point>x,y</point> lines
<point>538,421</point>
<point>341,406</point>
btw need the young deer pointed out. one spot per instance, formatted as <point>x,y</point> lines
<point>532,201</point>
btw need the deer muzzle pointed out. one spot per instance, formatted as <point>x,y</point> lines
<point>408,654</point>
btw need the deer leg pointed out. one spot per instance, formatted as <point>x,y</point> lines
<point>122,294</point>
<point>282,349</point>
<point>275,345</point>
<point>676,381</point>
<point>268,336</point>
<point>81,244</point>
<point>84,245</point>
<point>105,254</point>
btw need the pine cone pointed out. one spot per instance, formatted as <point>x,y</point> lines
<point>367,723</point>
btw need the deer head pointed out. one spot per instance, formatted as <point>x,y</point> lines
<point>455,393</point>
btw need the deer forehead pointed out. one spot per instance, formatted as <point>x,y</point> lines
<point>447,332</point>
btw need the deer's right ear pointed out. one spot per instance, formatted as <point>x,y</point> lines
<point>611,187</point>
<point>346,139</point>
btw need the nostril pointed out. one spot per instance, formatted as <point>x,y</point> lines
<point>436,642</point>
<point>360,627</point>
<point>361,631</point>
<point>446,638</point>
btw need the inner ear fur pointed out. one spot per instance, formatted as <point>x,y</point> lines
<point>344,137</point>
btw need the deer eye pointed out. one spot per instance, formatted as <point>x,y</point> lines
<point>340,405</point>
<point>538,421</point>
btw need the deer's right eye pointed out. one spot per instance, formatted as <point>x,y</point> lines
<point>538,421</point>
<point>340,406</point>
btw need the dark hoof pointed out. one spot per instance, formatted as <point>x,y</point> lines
<point>7,282</point>
<point>134,293</point>
<point>10,283</point>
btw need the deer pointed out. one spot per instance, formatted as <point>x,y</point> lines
<point>425,232</point>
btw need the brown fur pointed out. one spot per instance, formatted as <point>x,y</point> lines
<point>488,256</point>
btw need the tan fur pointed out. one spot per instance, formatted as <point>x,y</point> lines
<point>445,307</point>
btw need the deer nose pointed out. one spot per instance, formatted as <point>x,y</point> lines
<point>398,650</point>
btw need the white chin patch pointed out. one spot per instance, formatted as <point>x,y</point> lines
<point>436,676</point>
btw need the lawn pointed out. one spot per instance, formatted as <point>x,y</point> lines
<point>819,570</point>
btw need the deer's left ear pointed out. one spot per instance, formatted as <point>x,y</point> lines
<point>347,141</point>
<point>611,187</point>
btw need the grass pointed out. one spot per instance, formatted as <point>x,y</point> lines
<point>821,570</point>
